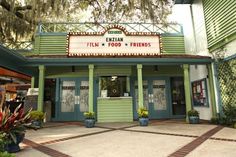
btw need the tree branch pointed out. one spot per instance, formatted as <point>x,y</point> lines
<point>15,11</point>
<point>20,8</point>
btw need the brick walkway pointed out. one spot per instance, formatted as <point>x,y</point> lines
<point>195,143</point>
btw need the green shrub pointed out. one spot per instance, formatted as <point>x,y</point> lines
<point>3,141</point>
<point>230,114</point>
<point>89,115</point>
<point>194,113</point>
<point>142,113</point>
<point>6,154</point>
<point>37,115</point>
<point>215,120</point>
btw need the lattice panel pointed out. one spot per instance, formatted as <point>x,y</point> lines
<point>227,79</point>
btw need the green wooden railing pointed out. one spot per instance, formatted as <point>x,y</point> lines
<point>19,46</point>
<point>100,27</point>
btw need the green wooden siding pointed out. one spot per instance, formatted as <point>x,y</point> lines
<point>114,110</point>
<point>56,45</point>
<point>220,19</point>
<point>50,45</point>
<point>82,71</point>
<point>113,70</point>
<point>66,71</point>
<point>173,44</point>
<point>162,70</point>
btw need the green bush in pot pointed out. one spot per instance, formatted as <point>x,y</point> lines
<point>193,116</point>
<point>37,118</point>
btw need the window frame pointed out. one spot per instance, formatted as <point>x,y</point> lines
<point>200,94</point>
<point>108,89</point>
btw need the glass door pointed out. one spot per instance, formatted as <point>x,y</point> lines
<point>68,92</point>
<point>73,99</point>
<point>156,93</point>
<point>159,107</point>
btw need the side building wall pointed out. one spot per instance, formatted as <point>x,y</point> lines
<point>221,36</point>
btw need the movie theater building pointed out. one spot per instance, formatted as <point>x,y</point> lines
<point>113,69</point>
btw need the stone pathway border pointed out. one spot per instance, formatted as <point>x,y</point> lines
<point>222,139</point>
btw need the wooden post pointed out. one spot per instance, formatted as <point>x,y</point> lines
<point>140,85</point>
<point>41,87</point>
<point>91,68</point>
<point>187,89</point>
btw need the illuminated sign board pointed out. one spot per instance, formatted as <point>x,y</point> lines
<point>115,41</point>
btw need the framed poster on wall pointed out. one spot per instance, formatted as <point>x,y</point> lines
<point>199,92</point>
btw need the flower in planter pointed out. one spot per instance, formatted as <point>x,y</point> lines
<point>89,119</point>
<point>143,116</point>
<point>89,115</point>
<point>142,113</point>
<point>12,125</point>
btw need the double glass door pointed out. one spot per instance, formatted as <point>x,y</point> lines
<point>73,99</point>
<point>155,96</point>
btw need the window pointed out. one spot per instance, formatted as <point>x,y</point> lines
<point>113,86</point>
<point>199,91</point>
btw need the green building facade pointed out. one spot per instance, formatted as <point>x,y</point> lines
<point>115,84</point>
<point>114,69</point>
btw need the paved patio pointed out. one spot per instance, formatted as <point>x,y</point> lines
<point>161,138</point>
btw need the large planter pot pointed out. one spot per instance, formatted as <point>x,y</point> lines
<point>37,123</point>
<point>194,120</point>
<point>14,147</point>
<point>143,121</point>
<point>89,123</point>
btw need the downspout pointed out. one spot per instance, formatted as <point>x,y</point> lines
<point>193,27</point>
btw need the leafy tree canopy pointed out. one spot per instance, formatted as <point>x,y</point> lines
<point>19,18</point>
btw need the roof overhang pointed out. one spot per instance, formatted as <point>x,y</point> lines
<point>14,61</point>
<point>156,60</point>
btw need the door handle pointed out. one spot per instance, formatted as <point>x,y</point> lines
<point>77,99</point>
<point>150,98</point>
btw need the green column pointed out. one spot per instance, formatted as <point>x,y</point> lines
<point>41,87</point>
<point>212,90</point>
<point>91,68</point>
<point>32,82</point>
<point>128,84</point>
<point>140,85</point>
<point>187,89</point>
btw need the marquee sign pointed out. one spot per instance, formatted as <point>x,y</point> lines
<point>114,41</point>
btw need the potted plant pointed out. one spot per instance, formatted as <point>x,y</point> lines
<point>193,116</point>
<point>12,128</point>
<point>37,118</point>
<point>89,119</point>
<point>143,116</point>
